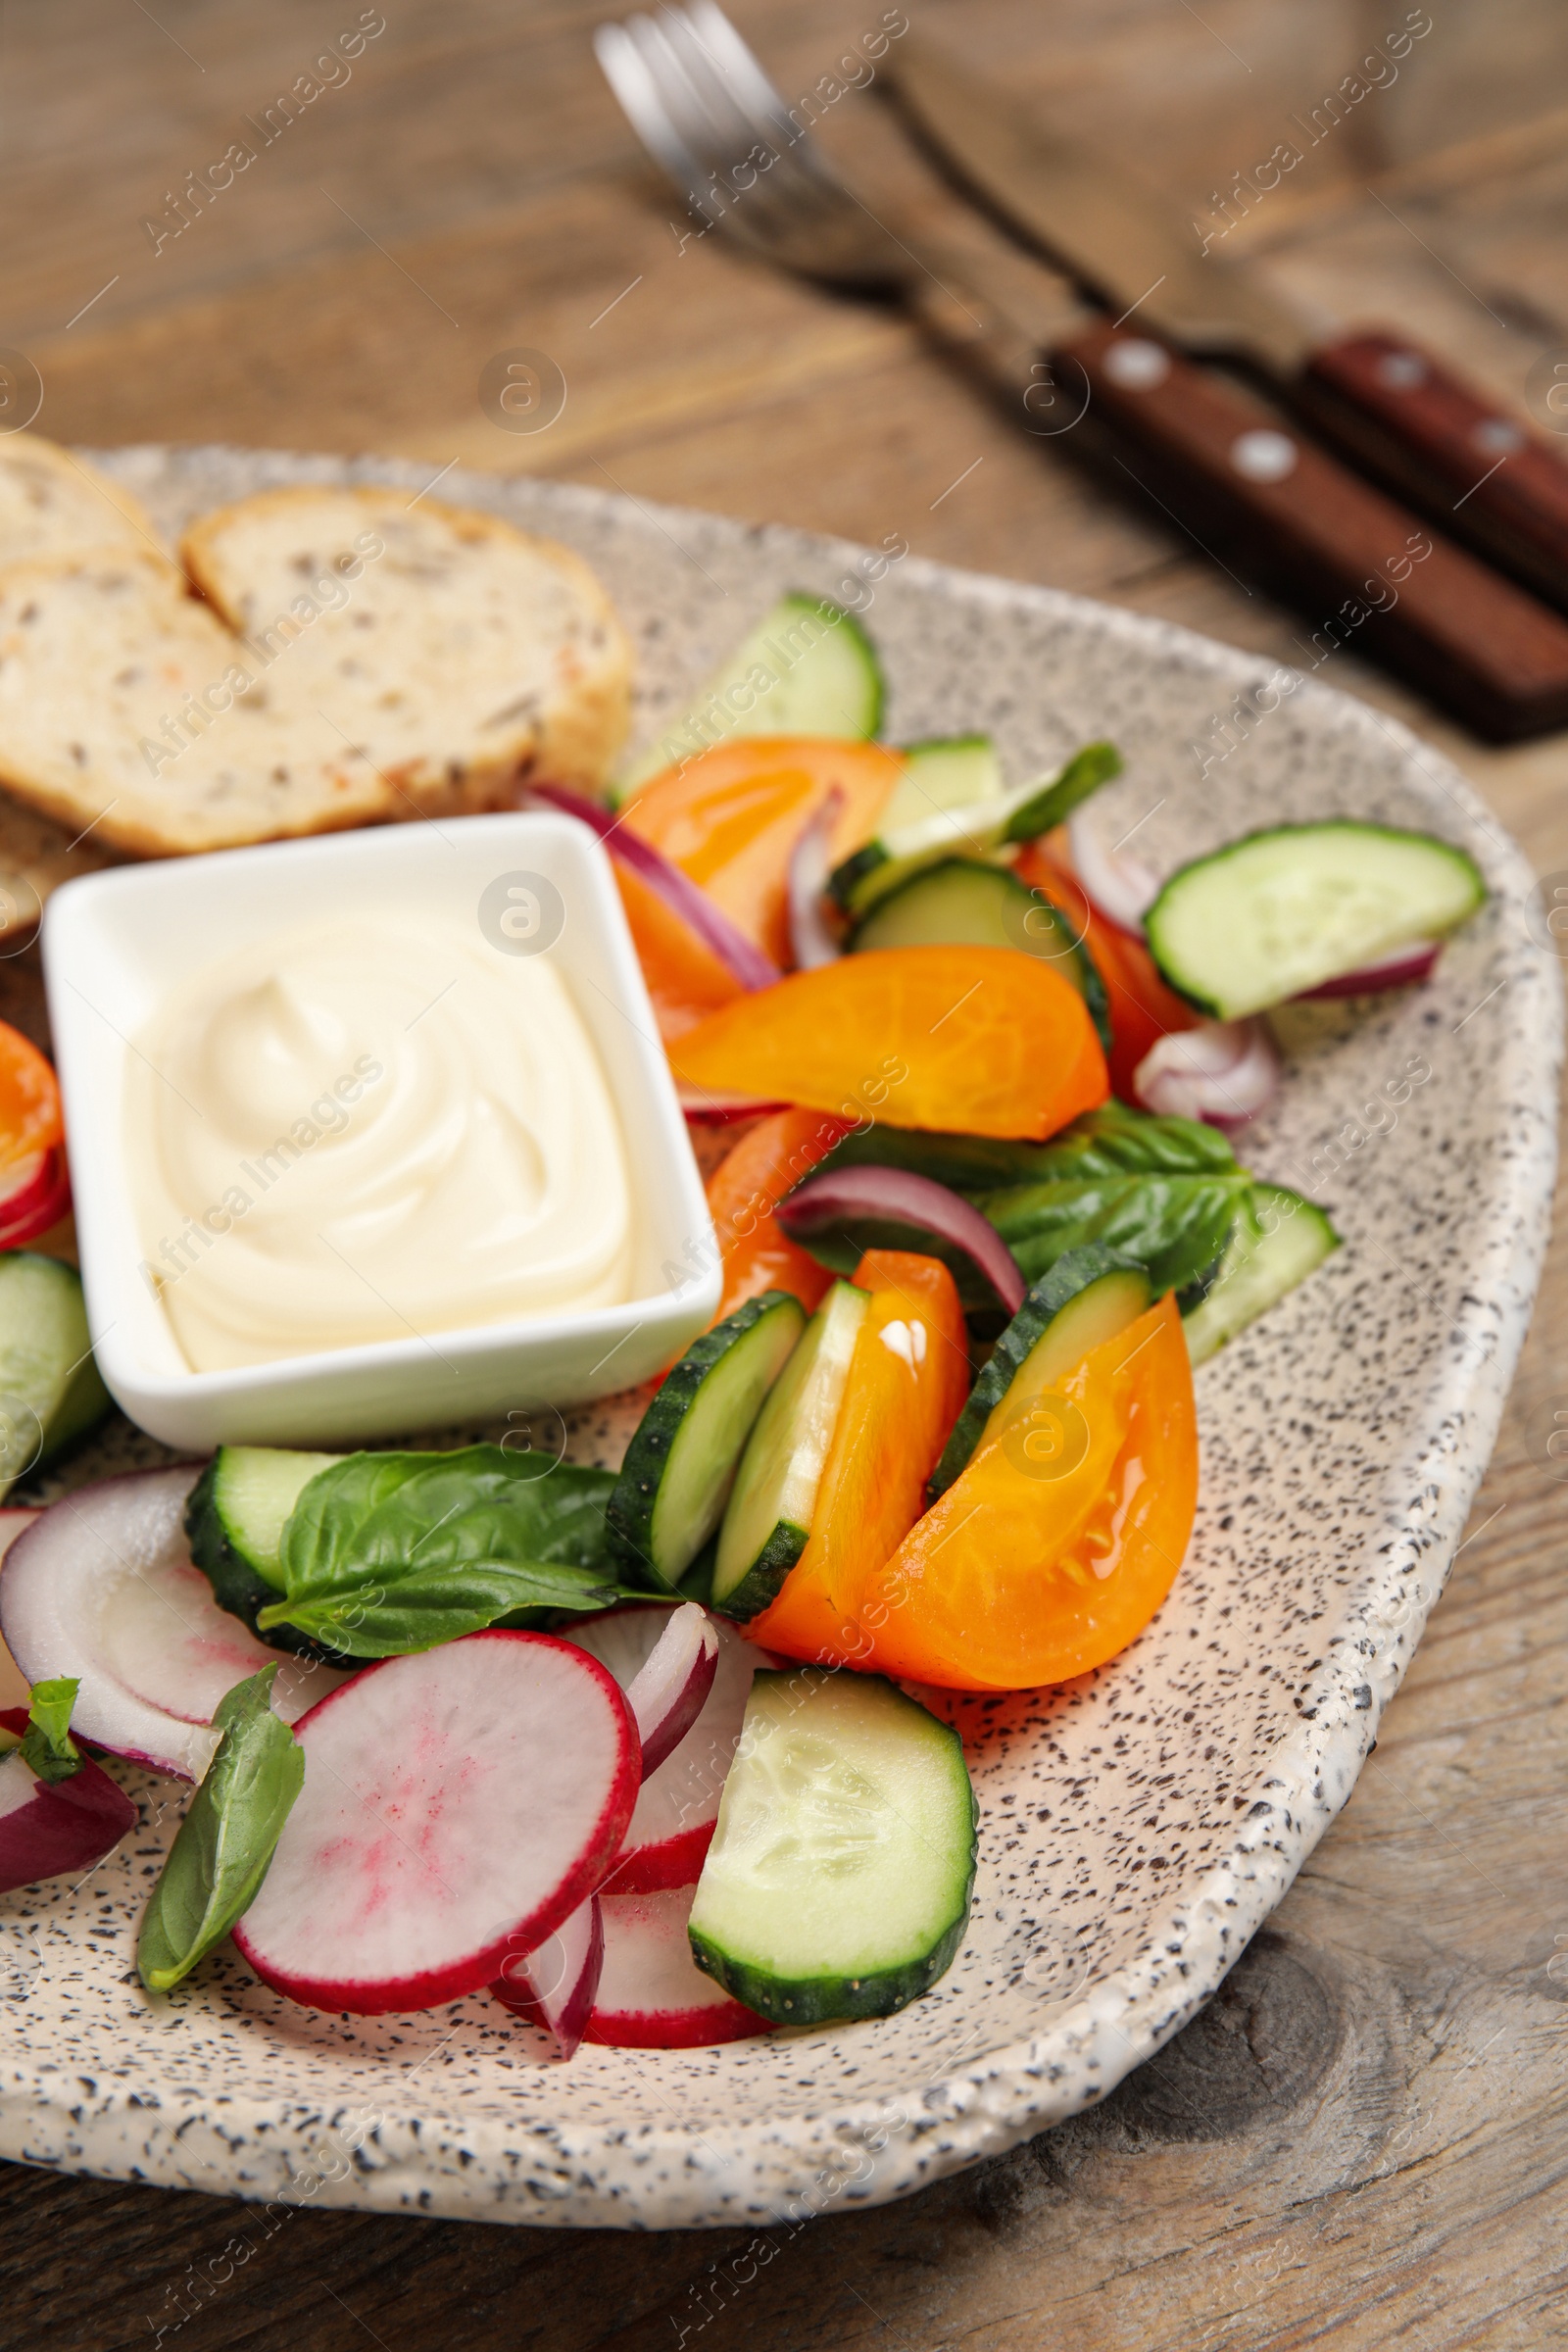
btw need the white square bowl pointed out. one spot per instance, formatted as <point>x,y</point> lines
<point>114,943</point>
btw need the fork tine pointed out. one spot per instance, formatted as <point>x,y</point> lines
<point>628,73</point>
<point>741,69</point>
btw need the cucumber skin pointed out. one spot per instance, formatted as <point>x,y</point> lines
<point>824,2000</point>
<point>1203,1340</point>
<point>1081,971</point>
<point>763,1580</point>
<point>237,1587</point>
<point>1072,1272</point>
<point>629,1512</point>
<point>1151,922</point>
<point>1085,772</point>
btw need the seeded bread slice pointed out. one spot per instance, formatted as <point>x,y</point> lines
<point>53,504</point>
<point>456,653</point>
<point>123,706</point>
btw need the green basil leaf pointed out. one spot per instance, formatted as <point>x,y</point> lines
<point>46,1743</point>
<point>375,1516</point>
<point>423,1607</point>
<point>1110,1142</point>
<point>220,1853</point>
<point>1176,1226</point>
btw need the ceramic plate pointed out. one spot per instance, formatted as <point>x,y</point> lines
<point>1137,1826</point>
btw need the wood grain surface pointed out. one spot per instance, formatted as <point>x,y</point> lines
<point>1363,2140</point>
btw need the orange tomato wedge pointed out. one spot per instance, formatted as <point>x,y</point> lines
<point>982,1041</point>
<point>31,1118</point>
<point>1143,1010</point>
<point>730,818</point>
<point>685,978</point>
<point>908,1380</point>
<point>1061,1537</point>
<point>757,1253</point>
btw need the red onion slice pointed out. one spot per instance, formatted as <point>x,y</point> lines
<point>722,1110</point>
<point>747,965</point>
<point>1410,965</point>
<point>1121,887</point>
<point>904,1198</point>
<point>810,863</point>
<point>1221,1071</point>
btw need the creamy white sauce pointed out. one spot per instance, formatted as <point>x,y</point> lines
<point>357,1132</point>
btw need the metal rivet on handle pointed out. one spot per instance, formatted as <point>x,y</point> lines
<point>1264,456</point>
<point>1402,371</point>
<point>1137,365</point>
<point>1496,437</point>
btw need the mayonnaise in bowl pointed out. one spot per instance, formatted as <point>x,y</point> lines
<point>372,1130</point>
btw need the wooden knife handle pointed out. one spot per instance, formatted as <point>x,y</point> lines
<point>1366,571</point>
<point>1477,470</point>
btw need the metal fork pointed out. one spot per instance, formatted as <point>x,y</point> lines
<point>709,117</point>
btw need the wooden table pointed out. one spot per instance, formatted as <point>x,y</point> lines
<point>1361,2140</point>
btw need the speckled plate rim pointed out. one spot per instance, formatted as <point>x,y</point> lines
<point>787,2170</point>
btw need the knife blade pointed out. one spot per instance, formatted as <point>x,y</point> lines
<point>1397,411</point>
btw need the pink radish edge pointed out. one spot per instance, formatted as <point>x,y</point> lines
<point>489,1780</point>
<point>902,1198</point>
<point>554,1987</point>
<point>667,1694</point>
<point>101,1586</point>
<point>744,962</point>
<point>677,1805</point>
<point>652,1993</point>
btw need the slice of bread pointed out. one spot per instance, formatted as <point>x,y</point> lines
<point>123,705</point>
<point>456,652</point>
<point>51,504</point>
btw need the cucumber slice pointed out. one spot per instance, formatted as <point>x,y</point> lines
<point>951,771</point>
<point>770,1515</point>
<point>1087,1296</point>
<point>808,669</point>
<point>839,1879</point>
<point>234,1522</point>
<point>50,1390</point>
<point>963,904</point>
<point>680,1465</point>
<point>1275,1241</point>
<point>1283,910</point>
<point>966,830</point>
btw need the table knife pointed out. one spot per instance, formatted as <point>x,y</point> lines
<point>1397,411</point>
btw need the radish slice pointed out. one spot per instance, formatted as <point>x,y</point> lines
<point>895,1195</point>
<point>49,1828</point>
<point>652,1993</point>
<point>1120,885</point>
<point>1412,964</point>
<point>102,1587</point>
<point>13,1688</point>
<point>458,1806</point>
<point>35,1194</point>
<point>810,863</point>
<point>1224,1071</point>
<point>666,1696</point>
<point>744,962</point>
<point>677,1805</point>
<point>554,1987</point>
